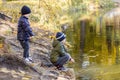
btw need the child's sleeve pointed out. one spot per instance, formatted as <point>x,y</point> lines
<point>62,50</point>
<point>27,28</point>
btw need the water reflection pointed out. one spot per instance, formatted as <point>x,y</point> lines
<point>95,44</point>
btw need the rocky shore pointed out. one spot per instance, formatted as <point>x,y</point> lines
<point>13,67</point>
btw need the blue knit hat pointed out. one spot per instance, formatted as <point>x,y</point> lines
<point>60,36</point>
<point>25,10</point>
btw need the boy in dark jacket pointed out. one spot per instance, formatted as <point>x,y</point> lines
<point>25,32</point>
<point>59,55</point>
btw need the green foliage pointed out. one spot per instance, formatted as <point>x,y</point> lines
<point>106,3</point>
<point>85,3</point>
<point>76,2</point>
<point>34,18</point>
<point>44,12</point>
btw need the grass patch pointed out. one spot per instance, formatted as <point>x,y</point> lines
<point>45,13</point>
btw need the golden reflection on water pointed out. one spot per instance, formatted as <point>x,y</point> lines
<point>96,49</point>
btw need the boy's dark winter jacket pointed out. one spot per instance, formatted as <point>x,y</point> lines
<point>57,51</point>
<point>24,29</point>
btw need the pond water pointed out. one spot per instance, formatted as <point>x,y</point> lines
<point>95,44</point>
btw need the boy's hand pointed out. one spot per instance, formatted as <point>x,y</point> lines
<point>72,60</point>
<point>31,37</point>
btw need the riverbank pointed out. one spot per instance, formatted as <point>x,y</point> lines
<point>13,67</point>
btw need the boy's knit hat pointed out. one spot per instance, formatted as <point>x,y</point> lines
<point>25,10</point>
<point>60,36</point>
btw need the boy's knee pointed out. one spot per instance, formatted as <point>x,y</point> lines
<point>68,56</point>
<point>26,47</point>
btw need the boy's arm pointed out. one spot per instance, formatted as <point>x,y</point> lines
<point>62,50</point>
<point>27,28</point>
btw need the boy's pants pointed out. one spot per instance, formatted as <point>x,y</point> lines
<point>62,60</point>
<point>25,46</point>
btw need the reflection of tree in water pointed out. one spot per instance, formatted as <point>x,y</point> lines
<point>109,30</point>
<point>82,39</point>
<point>90,40</point>
<point>117,38</point>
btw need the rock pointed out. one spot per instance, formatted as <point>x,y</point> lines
<point>5,29</point>
<point>85,64</point>
<point>62,78</point>
<point>49,74</point>
<point>48,77</point>
<point>6,76</point>
<point>69,74</point>
<point>4,46</point>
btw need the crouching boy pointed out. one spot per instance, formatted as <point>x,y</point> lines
<point>59,55</point>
